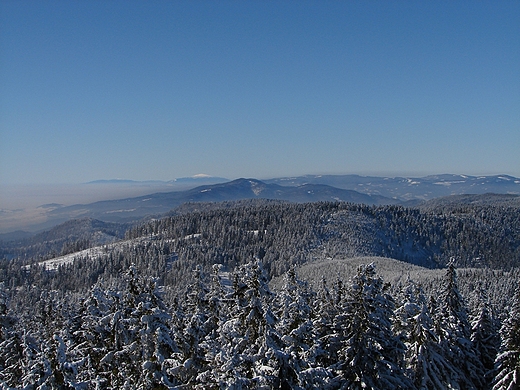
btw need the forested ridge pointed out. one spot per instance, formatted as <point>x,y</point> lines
<point>183,301</point>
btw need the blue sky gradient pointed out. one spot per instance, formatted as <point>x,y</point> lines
<point>155,90</point>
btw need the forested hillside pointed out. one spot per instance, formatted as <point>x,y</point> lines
<point>184,301</point>
<point>237,333</point>
<point>278,233</point>
<point>68,237</point>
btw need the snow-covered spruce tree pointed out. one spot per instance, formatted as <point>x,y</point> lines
<point>217,315</point>
<point>40,366</point>
<point>326,344</point>
<point>61,373</point>
<point>126,338</point>
<point>35,367</point>
<point>251,353</point>
<point>221,353</point>
<point>294,312</point>
<point>425,360</point>
<point>158,345</point>
<point>174,365</point>
<point>121,364</point>
<point>148,342</point>
<point>372,354</point>
<point>10,347</point>
<point>11,358</point>
<point>485,338</point>
<point>508,361</point>
<point>198,323</point>
<point>71,353</point>
<point>455,334</point>
<point>93,337</point>
<point>67,352</point>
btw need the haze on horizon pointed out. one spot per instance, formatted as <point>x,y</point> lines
<point>160,90</point>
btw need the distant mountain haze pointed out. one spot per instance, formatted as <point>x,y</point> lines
<point>160,199</point>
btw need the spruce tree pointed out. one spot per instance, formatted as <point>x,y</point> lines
<point>251,353</point>
<point>294,314</point>
<point>425,361</point>
<point>485,339</point>
<point>455,336</point>
<point>371,356</point>
<point>197,324</point>
<point>11,352</point>
<point>508,361</point>
<point>210,345</point>
<point>326,344</point>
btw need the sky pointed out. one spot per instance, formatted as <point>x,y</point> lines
<point>157,90</point>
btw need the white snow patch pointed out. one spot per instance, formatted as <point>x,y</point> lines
<point>54,264</point>
<point>255,188</point>
<point>449,183</point>
<point>92,253</point>
<point>120,211</point>
<point>226,280</point>
<point>255,232</point>
<point>196,235</point>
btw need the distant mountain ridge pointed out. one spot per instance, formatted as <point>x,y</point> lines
<point>412,188</point>
<point>196,179</point>
<point>370,190</point>
<point>125,210</point>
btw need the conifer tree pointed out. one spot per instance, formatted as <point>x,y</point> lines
<point>217,315</point>
<point>425,361</point>
<point>508,361</point>
<point>93,337</point>
<point>295,325</point>
<point>372,354</point>
<point>251,353</point>
<point>10,346</point>
<point>35,367</point>
<point>455,334</point>
<point>485,339</point>
<point>196,327</point>
<point>326,345</point>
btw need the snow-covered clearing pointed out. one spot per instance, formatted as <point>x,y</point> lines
<point>98,251</point>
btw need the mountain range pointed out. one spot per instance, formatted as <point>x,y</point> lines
<point>125,210</point>
<point>370,190</point>
<point>412,188</point>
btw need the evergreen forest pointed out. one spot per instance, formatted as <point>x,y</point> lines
<point>265,294</point>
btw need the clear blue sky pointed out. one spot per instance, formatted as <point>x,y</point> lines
<point>164,89</point>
